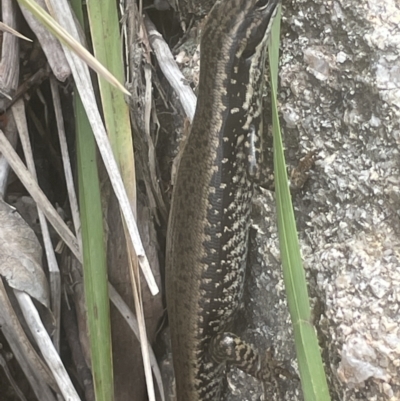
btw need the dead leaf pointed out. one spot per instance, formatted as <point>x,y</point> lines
<point>21,256</point>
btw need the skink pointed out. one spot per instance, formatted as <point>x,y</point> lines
<point>210,212</point>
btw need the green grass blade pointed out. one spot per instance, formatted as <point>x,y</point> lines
<point>312,374</point>
<point>94,259</point>
<point>107,46</point>
<point>94,254</point>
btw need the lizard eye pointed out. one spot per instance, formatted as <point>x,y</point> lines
<point>261,4</point>
<point>259,28</point>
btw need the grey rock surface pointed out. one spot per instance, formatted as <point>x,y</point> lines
<point>340,95</point>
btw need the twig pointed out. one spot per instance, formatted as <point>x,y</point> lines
<point>55,280</point>
<point>46,347</point>
<point>38,196</point>
<point>170,69</point>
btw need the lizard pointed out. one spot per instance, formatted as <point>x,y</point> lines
<point>207,235</point>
